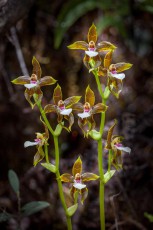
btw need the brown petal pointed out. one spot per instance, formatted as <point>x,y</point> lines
<point>89,96</point>
<point>99,108</point>
<point>28,94</point>
<point>92,123</point>
<point>50,108</point>
<point>66,177</point>
<point>102,71</point>
<point>86,61</point>
<point>92,34</point>
<point>57,96</point>
<point>72,191</point>
<point>84,194</point>
<point>122,66</point>
<point>97,60</point>
<point>115,86</point>
<point>109,135</point>
<point>47,80</point>
<point>78,106</point>
<point>108,59</point>
<point>89,176</point>
<point>77,167</point>
<point>71,101</point>
<point>36,68</point>
<point>82,123</point>
<point>81,45</point>
<point>38,156</point>
<point>105,46</point>
<point>71,120</point>
<point>21,80</point>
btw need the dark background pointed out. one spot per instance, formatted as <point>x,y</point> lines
<point>44,29</point>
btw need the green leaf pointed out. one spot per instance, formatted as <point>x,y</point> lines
<point>49,166</point>
<point>5,216</point>
<point>108,175</point>
<point>95,134</point>
<point>70,13</point>
<point>14,181</point>
<point>149,216</point>
<point>33,207</point>
<point>71,210</point>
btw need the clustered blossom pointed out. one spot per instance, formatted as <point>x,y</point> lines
<point>88,109</point>
<point>77,179</point>
<point>113,73</point>
<point>114,143</point>
<point>62,107</point>
<point>34,83</point>
<point>92,49</point>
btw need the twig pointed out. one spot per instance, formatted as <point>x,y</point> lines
<point>15,41</point>
<point>114,208</point>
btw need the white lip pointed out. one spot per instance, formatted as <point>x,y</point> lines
<point>79,186</point>
<point>29,143</point>
<point>84,115</point>
<point>66,111</point>
<point>125,149</point>
<point>31,85</point>
<point>91,53</point>
<point>119,76</point>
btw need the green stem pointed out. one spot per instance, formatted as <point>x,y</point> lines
<point>59,183</point>
<point>43,115</point>
<point>100,157</point>
<point>46,153</point>
<point>60,188</point>
<point>109,160</point>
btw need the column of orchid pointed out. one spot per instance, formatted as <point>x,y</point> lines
<point>86,111</point>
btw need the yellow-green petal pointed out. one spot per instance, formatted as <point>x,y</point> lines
<point>66,177</point>
<point>89,176</point>
<point>80,45</point>
<point>89,96</point>
<point>36,68</point>
<point>92,34</point>
<point>77,167</point>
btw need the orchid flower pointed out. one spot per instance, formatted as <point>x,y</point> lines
<point>113,72</point>
<point>88,110</point>
<point>77,179</point>
<point>34,83</point>
<point>114,143</point>
<point>62,107</point>
<point>39,142</point>
<point>92,49</point>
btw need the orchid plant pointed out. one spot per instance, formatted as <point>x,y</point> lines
<point>85,113</point>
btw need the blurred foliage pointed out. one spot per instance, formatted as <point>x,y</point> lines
<point>111,13</point>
